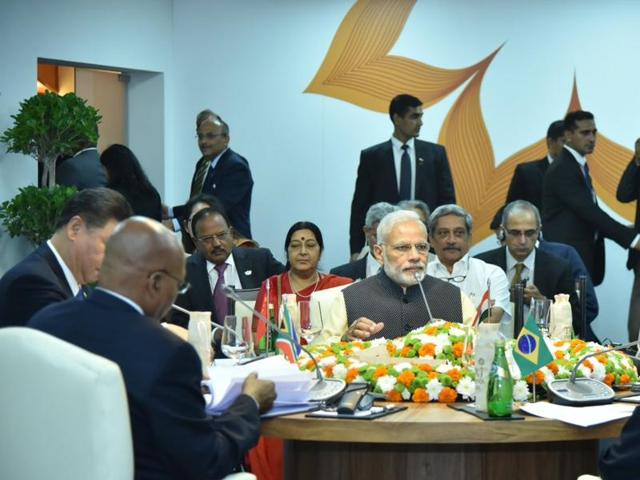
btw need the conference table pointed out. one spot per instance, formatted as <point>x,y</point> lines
<point>434,441</point>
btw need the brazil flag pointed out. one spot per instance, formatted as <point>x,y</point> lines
<point>530,351</point>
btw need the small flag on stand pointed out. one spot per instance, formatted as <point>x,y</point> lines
<point>484,306</point>
<point>530,351</point>
<point>290,347</point>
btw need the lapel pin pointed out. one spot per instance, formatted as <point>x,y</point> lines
<point>420,160</point>
<point>248,272</point>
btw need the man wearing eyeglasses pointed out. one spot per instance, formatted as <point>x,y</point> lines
<point>173,438</point>
<point>543,273</point>
<point>390,303</point>
<point>216,262</point>
<point>220,172</point>
<point>450,229</point>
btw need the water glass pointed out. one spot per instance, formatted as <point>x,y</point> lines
<point>540,311</point>
<point>310,325</point>
<point>237,337</point>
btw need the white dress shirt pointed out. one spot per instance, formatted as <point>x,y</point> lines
<point>528,270</point>
<point>372,265</point>
<point>231,276</point>
<point>397,161</point>
<point>68,275</point>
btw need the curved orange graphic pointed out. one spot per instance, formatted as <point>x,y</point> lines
<point>358,69</point>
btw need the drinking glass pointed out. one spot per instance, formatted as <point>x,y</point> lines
<point>310,325</point>
<point>540,311</point>
<point>237,337</point>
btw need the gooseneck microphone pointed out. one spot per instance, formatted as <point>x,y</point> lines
<point>584,391</point>
<point>325,388</point>
<point>419,278</point>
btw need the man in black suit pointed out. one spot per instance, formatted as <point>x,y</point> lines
<point>56,270</point>
<point>546,274</point>
<point>528,177</point>
<point>173,438</point>
<point>402,168</point>
<point>217,262</point>
<point>570,209</point>
<point>367,266</point>
<point>621,460</point>
<point>629,191</point>
<point>220,172</point>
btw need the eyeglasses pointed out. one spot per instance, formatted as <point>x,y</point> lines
<point>209,136</point>
<point>209,239</point>
<point>455,279</point>
<point>518,233</point>
<point>404,248</point>
<point>183,286</point>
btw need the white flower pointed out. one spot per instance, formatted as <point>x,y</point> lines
<point>441,341</point>
<point>339,371</point>
<point>599,370</point>
<point>424,338</point>
<point>586,371</point>
<point>327,361</point>
<point>520,391</point>
<point>467,388</point>
<point>406,395</point>
<point>548,375</point>
<point>359,379</point>
<point>357,364</point>
<point>563,371</point>
<point>386,383</point>
<point>378,341</point>
<point>456,332</point>
<point>433,389</point>
<point>399,367</point>
<point>444,367</point>
<point>398,343</point>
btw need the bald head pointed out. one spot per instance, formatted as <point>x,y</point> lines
<point>145,263</point>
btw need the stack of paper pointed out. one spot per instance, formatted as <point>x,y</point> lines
<point>292,385</point>
<point>581,416</point>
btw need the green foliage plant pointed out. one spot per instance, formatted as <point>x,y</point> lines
<point>51,125</point>
<point>34,211</point>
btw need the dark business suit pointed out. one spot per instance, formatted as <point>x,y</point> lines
<point>254,265</point>
<point>621,461</point>
<point>377,182</point>
<point>354,270</point>
<point>551,275</point>
<point>173,438</point>
<point>569,253</point>
<point>570,216</point>
<point>629,191</point>
<point>231,183</point>
<point>526,184</point>
<point>84,170</point>
<point>31,285</point>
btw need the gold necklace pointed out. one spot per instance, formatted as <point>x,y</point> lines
<point>296,291</point>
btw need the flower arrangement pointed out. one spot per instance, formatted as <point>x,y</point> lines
<point>435,364</point>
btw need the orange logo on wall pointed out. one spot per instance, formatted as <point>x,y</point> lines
<point>359,70</point>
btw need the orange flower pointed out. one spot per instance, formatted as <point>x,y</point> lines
<point>602,358</point>
<point>311,365</point>
<point>328,371</point>
<point>406,378</point>
<point>394,396</point>
<point>539,378</point>
<point>553,367</point>
<point>559,343</point>
<point>624,379</point>
<point>352,373</point>
<point>609,378</point>
<point>559,354</point>
<point>359,345</point>
<point>428,349</point>
<point>447,395</point>
<point>420,396</point>
<point>380,372</point>
<point>348,351</point>
<point>458,349</point>
<point>405,351</point>
<point>455,375</point>
<point>425,367</point>
<point>391,348</point>
<point>588,364</point>
<point>433,375</point>
<point>432,330</point>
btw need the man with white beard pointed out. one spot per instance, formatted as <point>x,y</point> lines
<point>390,303</point>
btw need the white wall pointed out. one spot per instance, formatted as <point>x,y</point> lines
<point>251,60</point>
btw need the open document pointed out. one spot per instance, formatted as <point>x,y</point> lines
<point>581,416</point>
<point>292,385</point>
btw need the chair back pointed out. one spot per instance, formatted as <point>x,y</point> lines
<point>64,411</point>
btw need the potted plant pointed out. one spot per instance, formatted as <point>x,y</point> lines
<point>48,126</point>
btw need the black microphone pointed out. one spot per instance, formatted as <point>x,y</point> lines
<point>325,388</point>
<point>584,391</point>
<point>419,278</point>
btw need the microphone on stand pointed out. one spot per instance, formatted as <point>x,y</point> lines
<point>325,388</point>
<point>419,278</point>
<point>584,391</point>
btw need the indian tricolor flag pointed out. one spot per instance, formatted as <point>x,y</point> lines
<point>485,303</point>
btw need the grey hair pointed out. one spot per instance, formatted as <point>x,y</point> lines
<point>377,212</point>
<point>520,206</point>
<point>450,209</point>
<point>394,218</point>
<point>210,116</point>
<point>417,204</point>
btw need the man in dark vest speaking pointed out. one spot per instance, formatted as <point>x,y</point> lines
<point>390,304</point>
